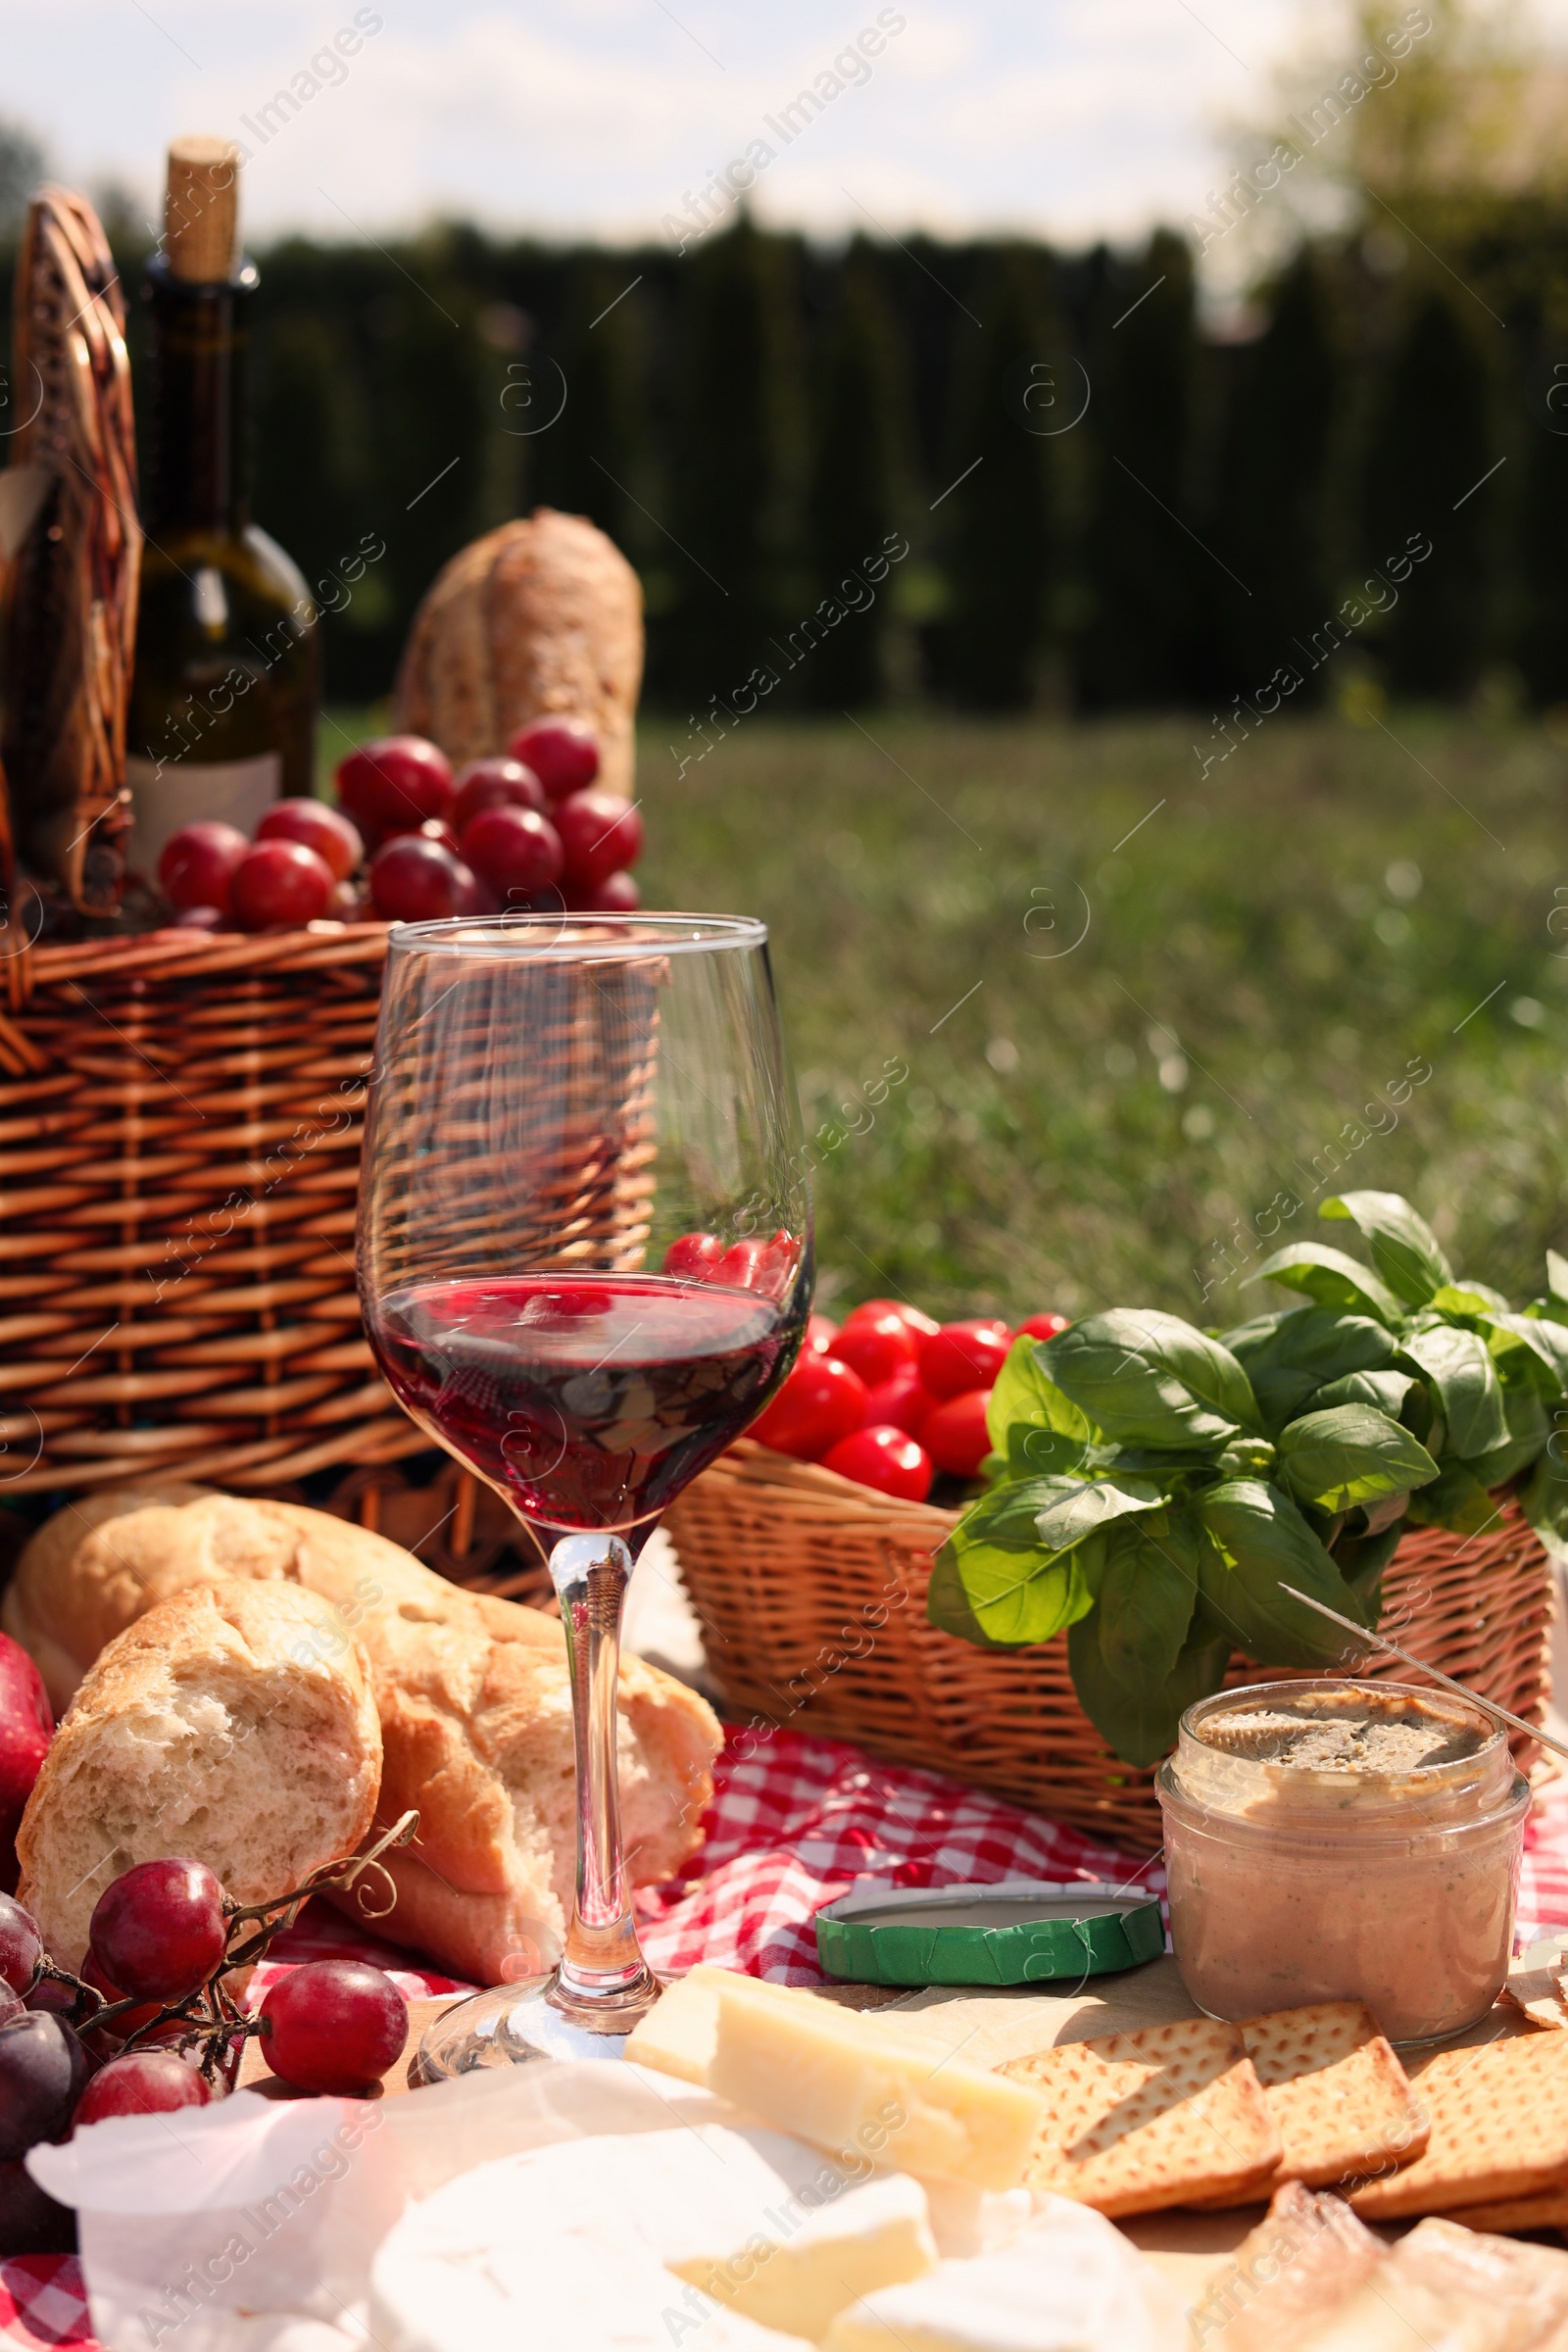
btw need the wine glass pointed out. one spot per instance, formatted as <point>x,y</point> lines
<point>585,1264</point>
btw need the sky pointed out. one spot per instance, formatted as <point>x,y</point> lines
<point>1073,118</point>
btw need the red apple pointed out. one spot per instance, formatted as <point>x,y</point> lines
<point>564,754</point>
<point>26,1726</point>
<point>392,785</point>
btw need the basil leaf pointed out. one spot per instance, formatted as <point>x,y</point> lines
<point>1459,1366</point>
<point>1288,1357</point>
<point>1351,1453</point>
<point>1405,1251</point>
<point>1468,1297</point>
<point>1140,1723</point>
<point>1545,1502</point>
<point>1257,1540</point>
<point>1024,1393</point>
<point>1384,1390</point>
<point>1546,1341</point>
<point>1067,1518</point>
<point>1455,1499</point>
<point>1146,1608</point>
<point>1330,1278</point>
<point>1529,1428</point>
<point>1362,1562</point>
<point>1008,1514</point>
<point>1013,1598</point>
<point>1150,1379</point>
<point>1557,1277</point>
<point>1039,1452</point>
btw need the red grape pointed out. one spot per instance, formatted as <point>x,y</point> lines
<point>198,863</point>
<point>392,785</point>
<point>564,754</point>
<point>26,1726</point>
<point>497,784</point>
<point>42,2069</point>
<point>963,1355</point>
<point>820,1333</point>
<point>600,834</point>
<point>133,2020</point>
<point>201,918</point>
<point>336,2026</point>
<point>954,1433</point>
<point>21,1944</point>
<point>902,1399</point>
<point>886,1459</point>
<point>280,883</point>
<point>876,1345</point>
<point>694,1257</point>
<point>870,1308</point>
<point>1041,1327</point>
<point>333,837</point>
<point>617,894</point>
<point>415,880</point>
<point>141,2082</point>
<point>30,2220</point>
<point>821,1401</point>
<point>517,851</point>
<point>159,1930</point>
<point>11,2005</point>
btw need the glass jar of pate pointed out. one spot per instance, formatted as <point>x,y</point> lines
<point>1333,1841</point>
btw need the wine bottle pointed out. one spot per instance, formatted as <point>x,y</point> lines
<point>226,685</point>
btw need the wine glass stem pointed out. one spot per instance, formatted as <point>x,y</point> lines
<point>603,1979</point>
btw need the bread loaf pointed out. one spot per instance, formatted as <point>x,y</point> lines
<point>232,1725</point>
<point>540,617</point>
<point>473,1697</point>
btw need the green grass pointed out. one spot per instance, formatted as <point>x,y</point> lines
<point>1264,957</point>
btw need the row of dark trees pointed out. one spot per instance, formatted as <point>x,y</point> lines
<point>1104,507</point>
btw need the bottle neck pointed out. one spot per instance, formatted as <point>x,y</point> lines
<point>198,451</point>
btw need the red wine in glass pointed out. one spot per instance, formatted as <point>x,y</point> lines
<point>591,1399</point>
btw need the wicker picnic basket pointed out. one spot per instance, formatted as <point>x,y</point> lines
<point>810,1593</point>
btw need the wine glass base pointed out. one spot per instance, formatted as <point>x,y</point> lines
<point>513,2024</point>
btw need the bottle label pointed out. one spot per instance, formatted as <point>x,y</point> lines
<point>233,792</point>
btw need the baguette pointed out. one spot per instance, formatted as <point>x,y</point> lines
<point>233,1725</point>
<point>473,1692</point>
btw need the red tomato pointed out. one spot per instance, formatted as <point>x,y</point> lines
<point>1041,1327</point>
<point>820,1334</point>
<point>886,1459</point>
<point>694,1257</point>
<point>876,1347</point>
<point>907,1314</point>
<point>955,1433</point>
<point>963,1355</point>
<point>901,1400</point>
<point>754,1265</point>
<point>821,1401</point>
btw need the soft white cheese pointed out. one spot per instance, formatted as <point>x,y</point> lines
<point>1069,2282</point>
<point>644,2240</point>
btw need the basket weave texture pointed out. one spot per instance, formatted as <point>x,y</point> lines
<point>810,1593</point>
<point>179,1150</point>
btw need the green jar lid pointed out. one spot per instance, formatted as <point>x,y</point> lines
<point>1021,1932</point>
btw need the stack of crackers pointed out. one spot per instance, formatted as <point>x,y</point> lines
<point>1203,2113</point>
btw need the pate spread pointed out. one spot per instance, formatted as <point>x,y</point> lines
<point>1343,1841</point>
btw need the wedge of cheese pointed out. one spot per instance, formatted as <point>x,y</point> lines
<point>742,2240</point>
<point>856,2087</point>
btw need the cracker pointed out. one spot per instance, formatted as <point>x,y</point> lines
<point>1547,2209</point>
<point>1146,2120</point>
<point>1535,1985</point>
<point>1499,2128</point>
<point>1342,2102</point>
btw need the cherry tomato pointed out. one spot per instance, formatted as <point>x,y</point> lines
<point>955,1433</point>
<point>821,1401</point>
<point>903,1401</point>
<point>963,1355</point>
<point>869,1308</point>
<point>886,1459</point>
<point>820,1333</point>
<point>876,1347</point>
<point>694,1257</point>
<point>754,1265</point>
<point>1041,1327</point>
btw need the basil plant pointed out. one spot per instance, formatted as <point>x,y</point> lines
<point>1153,1486</point>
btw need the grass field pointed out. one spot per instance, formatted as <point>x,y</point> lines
<point>1142,1012</point>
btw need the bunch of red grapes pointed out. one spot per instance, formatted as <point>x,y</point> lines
<point>894,1397</point>
<point>410,842</point>
<point>148,2027</point>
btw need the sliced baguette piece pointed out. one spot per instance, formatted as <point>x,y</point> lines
<point>1164,2116</point>
<point>233,1727</point>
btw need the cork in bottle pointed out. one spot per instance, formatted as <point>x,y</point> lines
<point>201,210</point>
